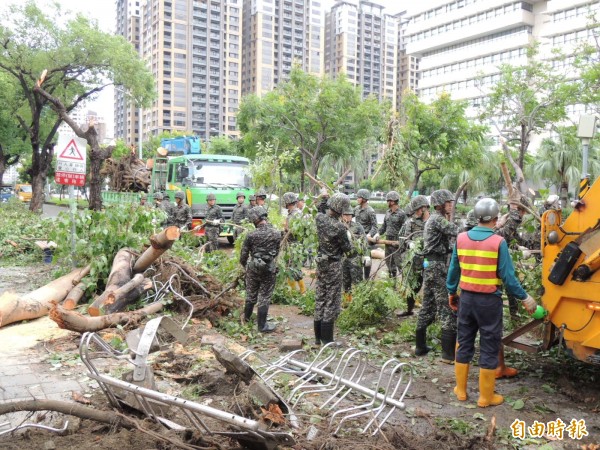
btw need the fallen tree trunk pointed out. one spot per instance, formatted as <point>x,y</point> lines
<point>159,243</point>
<point>15,308</point>
<point>383,241</point>
<point>74,296</point>
<point>119,275</point>
<point>72,320</point>
<point>126,294</point>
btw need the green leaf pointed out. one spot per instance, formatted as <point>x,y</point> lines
<point>518,404</point>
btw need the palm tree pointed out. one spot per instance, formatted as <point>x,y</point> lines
<point>559,160</point>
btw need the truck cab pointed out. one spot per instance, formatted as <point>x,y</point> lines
<point>23,192</point>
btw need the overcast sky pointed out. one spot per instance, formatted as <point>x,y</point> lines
<point>104,12</point>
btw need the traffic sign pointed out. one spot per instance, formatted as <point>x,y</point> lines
<point>70,160</point>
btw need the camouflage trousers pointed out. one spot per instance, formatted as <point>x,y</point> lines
<point>212,236</point>
<point>352,272</point>
<point>260,287</point>
<point>393,260</point>
<point>328,295</point>
<point>435,298</point>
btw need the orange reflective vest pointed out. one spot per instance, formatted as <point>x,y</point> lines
<point>478,263</point>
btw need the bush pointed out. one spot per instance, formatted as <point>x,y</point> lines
<point>21,226</point>
<point>99,235</point>
<point>371,305</point>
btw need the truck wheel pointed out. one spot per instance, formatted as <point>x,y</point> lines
<point>230,239</point>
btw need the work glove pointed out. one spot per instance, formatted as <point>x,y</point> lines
<point>453,301</point>
<point>411,245</point>
<point>530,304</point>
<point>366,261</point>
<point>515,197</point>
<point>216,222</point>
<point>376,237</point>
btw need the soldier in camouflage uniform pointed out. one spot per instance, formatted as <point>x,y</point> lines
<point>412,231</point>
<point>239,213</point>
<point>163,202</point>
<point>322,205</point>
<point>212,220</point>
<point>392,223</point>
<point>258,256</point>
<point>365,215</point>
<point>143,199</point>
<point>294,269</point>
<point>261,197</point>
<point>352,267</point>
<point>252,200</point>
<point>333,244</point>
<point>436,248</point>
<point>471,221</point>
<point>182,216</point>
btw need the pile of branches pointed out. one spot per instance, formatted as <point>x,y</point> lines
<point>150,275</point>
<point>127,174</point>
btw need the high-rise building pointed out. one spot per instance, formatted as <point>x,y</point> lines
<point>125,111</point>
<point>462,43</point>
<point>192,48</point>
<point>361,40</point>
<point>278,34</point>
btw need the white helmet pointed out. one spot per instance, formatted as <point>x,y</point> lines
<point>552,201</point>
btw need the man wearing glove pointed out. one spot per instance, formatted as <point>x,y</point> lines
<point>352,262</point>
<point>392,223</point>
<point>480,265</point>
<point>365,216</point>
<point>182,216</point>
<point>213,218</point>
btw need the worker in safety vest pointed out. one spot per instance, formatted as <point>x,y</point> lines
<point>480,265</point>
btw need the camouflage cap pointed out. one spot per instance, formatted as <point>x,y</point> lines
<point>363,193</point>
<point>143,196</point>
<point>471,221</point>
<point>158,196</point>
<point>348,211</point>
<point>211,196</point>
<point>289,198</point>
<point>393,196</point>
<point>180,195</point>
<point>261,193</point>
<point>257,214</point>
<point>240,194</point>
<point>252,198</point>
<point>338,202</point>
<point>418,202</point>
<point>441,196</point>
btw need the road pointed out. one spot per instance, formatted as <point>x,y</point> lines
<point>53,210</point>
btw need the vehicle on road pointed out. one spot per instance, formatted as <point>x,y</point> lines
<point>6,192</point>
<point>23,192</point>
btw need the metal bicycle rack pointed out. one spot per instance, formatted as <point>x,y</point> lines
<point>182,414</point>
<point>336,376</point>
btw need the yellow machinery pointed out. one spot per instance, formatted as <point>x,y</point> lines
<point>570,270</point>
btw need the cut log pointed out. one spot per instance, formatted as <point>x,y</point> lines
<point>382,241</point>
<point>15,307</point>
<point>119,275</point>
<point>74,296</point>
<point>72,320</point>
<point>84,273</point>
<point>127,294</point>
<point>160,243</point>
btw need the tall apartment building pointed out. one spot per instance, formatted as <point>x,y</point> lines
<point>193,49</point>
<point>461,43</point>
<point>125,111</point>
<point>278,34</point>
<point>361,40</point>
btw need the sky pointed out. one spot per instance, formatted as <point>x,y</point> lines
<point>104,12</point>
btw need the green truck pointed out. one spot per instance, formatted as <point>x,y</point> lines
<point>197,175</point>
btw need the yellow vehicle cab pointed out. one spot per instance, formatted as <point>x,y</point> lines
<point>23,192</point>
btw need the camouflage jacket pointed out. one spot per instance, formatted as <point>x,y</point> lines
<point>213,213</point>
<point>294,214</point>
<point>333,237</point>
<point>413,230</point>
<point>509,229</point>
<point>239,213</point>
<point>392,224</point>
<point>169,208</point>
<point>437,236</point>
<point>322,206</point>
<point>262,243</point>
<point>359,241</point>
<point>367,218</point>
<point>182,216</point>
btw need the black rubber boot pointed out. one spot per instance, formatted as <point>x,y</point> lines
<point>317,327</point>
<point>421,348</point>
<point>448,346</point>
<point>326,332</point>
<point>410,305</point>
<point>248,307</point>
<point>261,320</point>
<point>367,272</point>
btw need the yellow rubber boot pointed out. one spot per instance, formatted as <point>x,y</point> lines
<point>502,371</point>
<point>487,382</point>
<point>292,284</point>
<point>462,374</point>
<point>347,298</point>
<point>301,286</point>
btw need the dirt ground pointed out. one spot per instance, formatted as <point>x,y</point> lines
<point>549,387</point>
